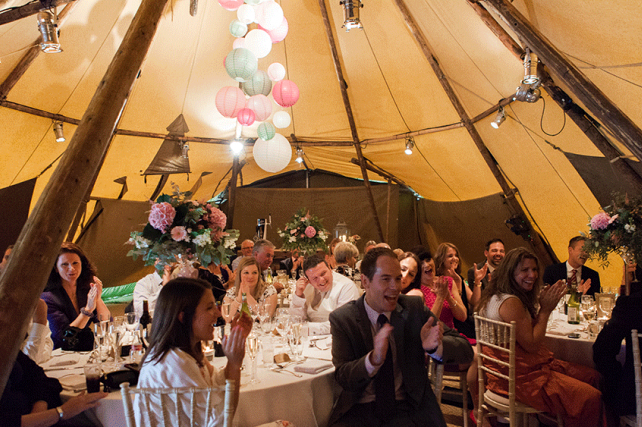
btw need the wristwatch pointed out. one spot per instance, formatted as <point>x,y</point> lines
<point>60,413</point>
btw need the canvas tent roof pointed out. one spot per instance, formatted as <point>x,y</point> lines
<point>391,86</point>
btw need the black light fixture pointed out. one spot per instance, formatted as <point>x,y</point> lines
<point>529,91</point>
<point>351,14</point>
<point>499,118</point>
<point>59,132</point>
<point>49,30</point>
<point>410,144</point>
<point>299,155</point>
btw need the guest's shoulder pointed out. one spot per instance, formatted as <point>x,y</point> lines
<point>347,309</point>
<point>411,302</point>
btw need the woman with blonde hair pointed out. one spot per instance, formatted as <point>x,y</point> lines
<point>250,281</point>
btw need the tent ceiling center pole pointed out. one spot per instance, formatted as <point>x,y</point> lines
<point>346,102</point>
<point>545,255</point>
<point>39,242</point>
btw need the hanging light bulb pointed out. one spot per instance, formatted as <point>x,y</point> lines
<point>299,155</point>
<point>185,150</point>
<point>351,14</point>
<point>48,29</point>
<point>58,131</point>
<point>499,118</point>
<point>236,146</point>
<point>410,144</point>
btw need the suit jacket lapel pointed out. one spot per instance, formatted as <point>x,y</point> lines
<point>398,321</point>
<point>365,328</point>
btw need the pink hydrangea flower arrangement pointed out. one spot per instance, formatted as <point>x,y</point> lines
<point>161,216</point>
<point>600,221</point>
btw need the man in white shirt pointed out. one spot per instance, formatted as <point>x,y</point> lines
<point>479,274</point>
<point>148,289</point>
<point>319,292</point>
<point>246,251</point>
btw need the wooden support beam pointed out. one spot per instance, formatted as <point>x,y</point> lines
<point>30,55</point>
<point>492,110</point>
<point>231,200</point>
<point>346,103</point>
<point>376,169</point>
<point>415,133</point>
<point>581,118</point>
<point>27,10</point>
<point>26,273</point>
<point>590,95</point>
<point>546,256</point>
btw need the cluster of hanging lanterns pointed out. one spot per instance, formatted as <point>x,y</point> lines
<point>250,103</point>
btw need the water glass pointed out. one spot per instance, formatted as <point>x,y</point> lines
<point>93,371</point>
<point>267,347</point>
<point>101,340</point>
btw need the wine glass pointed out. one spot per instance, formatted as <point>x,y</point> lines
<point>225,311</point>
<point>264,316</point>
<point>606,305</point>
<point>294,338</point>
<point>101,340</point>
<point>252,351</point>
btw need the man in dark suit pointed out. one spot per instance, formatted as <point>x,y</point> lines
<point>379,347</point>
<point>574,270</point>
<point>293,264</point>
<point>479,273</point>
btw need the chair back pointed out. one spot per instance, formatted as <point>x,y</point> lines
<point>169,407</point>
<point>501,337</point>
<point>637,368</point>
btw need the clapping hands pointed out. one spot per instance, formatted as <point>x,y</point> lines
<point>432,334</point>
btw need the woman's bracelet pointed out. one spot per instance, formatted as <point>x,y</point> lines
<point>84,311</point>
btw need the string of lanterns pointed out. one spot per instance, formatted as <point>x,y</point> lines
<point>250,103</point>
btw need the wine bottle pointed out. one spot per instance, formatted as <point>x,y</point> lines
<point>145,320</point>
<point>574,307</point>
<point>244,307</point>
<point>268,276</point>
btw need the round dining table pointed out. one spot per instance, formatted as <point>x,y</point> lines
<point>293,393</point>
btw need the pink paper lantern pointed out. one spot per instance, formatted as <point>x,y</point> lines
<point>261,106</point>
<point>230,4</point>
<point>285,93</point>
<point>229,101</point>
<point>246,117</point>
<point>279,33</point>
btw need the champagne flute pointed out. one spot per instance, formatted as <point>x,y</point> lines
<point>295,339</point>
<point>252,351</point>
<point>225,311</point>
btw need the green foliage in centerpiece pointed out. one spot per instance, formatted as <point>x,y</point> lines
<point>305,233</point>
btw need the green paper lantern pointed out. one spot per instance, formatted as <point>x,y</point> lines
<point>259,84</point>
<point>241,64</point>
<point>237,28</point>
<point>266,131</point>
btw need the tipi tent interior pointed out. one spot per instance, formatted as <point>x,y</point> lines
<point>434,71</point>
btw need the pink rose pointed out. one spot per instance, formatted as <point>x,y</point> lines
<point>310,231</point>
<point>179,233</point>
<point>293,232</point>
<point>600,221</point>
<point>217,235</point>
<point>161,216</point>
<point>217,219</point>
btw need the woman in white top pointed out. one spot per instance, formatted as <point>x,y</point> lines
<point>185,315</point>
<point>249,281</point>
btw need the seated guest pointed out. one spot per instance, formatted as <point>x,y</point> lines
<point>219,276</point>
<point>185,315</point>
<point>547,384</point>
<point>573,270</point>
<point>369,245</point>
<point>249,281</point>
<point>73,296</point>
<point>320,292</point>
<point>293,264</point>
<point>32,399</point>
<point>410,274</point>
<point>148,288</point>
<point>264,253</point>
<point>479,274</point>
<point>345,255</point>
<point>329,259</point>
<point>447,264</point>
<point>246,250</point>
<point>618,382</point>
<point>379,347</point>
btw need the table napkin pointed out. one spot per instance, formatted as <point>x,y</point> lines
<point>313,366</point>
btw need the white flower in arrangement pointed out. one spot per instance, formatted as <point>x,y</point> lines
<point>202,239</point>
<point>229,243</point>
<point>292,239</point>
<point>630,228</point>
<point>321,235</point>
<point>139,241</point>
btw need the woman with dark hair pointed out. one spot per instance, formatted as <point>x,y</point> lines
<point>515,293</point>
<point>73,296</point>
<point>185,315</point>
<point>410,274</point>
<point>250,281</point>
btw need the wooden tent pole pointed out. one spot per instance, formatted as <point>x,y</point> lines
<point>27,10</point>
<point>346,103</point>
<point>30,55</point>
<point>376,169</point>
<point>580,117</point>
<point>26,273</point>
<point>509,194</point>
<point>232,193</point>
<point>590,95</point>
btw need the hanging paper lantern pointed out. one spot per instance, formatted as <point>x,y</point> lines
<point>276,72</point>
<point>273,155</point>
<point>229,101</point>
<point>285,93</point>
<point>238,43</point>
<point>241,64</point>
<point>261,106</point>
<point>252,2</point>
<point>266,131</point>
<point>246,117</point>
<point>230,4</point>
<point>281,119</point>
<point>279,33</point>
<point>259,84</point>
<point>238,28</point>
<point>269,15</point>
<point>245,14</point>
<point>259,43</point>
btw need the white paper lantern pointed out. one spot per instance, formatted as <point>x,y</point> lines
<point>238,43</point>
<point>273,155</point>
<point>281,119</point>
<point>258,42</point>
<point>245,14</point>
<point>269,15</point>
<point>276,72</point>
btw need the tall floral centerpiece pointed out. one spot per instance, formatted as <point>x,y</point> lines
<point>305,233</point>
<point>180,229</point>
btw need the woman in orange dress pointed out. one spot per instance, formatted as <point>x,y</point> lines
<point>550,385</point>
